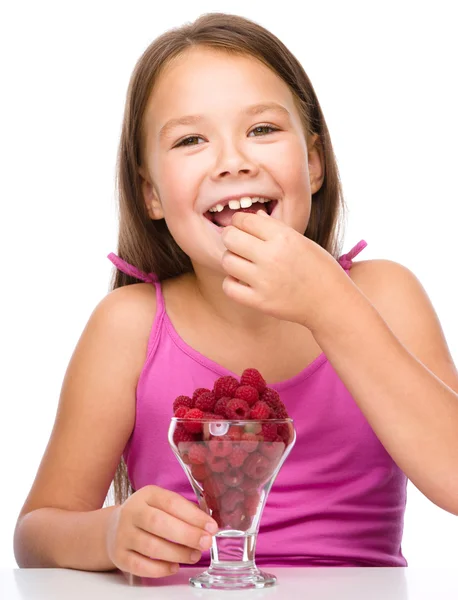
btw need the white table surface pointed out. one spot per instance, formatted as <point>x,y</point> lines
<point>311,583</point>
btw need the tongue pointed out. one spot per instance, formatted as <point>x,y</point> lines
<point>224,217</point>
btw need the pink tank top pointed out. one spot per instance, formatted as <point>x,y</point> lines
<point>339,499</point>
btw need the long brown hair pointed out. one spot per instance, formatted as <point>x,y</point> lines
<point>147,243</point>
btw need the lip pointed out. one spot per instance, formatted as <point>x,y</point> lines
<point>226,199</point>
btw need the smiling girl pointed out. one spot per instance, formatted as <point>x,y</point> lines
<point>229,257</point>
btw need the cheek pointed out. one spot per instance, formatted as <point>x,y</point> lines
<point>176,185</point>
<point>290,165</point>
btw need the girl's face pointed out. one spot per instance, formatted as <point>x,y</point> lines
<point>230,149</point>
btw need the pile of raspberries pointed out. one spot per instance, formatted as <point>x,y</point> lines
<point>232,468</point>
<point>249,399</point>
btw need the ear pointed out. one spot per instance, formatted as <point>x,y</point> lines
<point>150,196</point>
<point>316,163</point>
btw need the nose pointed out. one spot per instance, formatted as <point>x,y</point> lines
<point>232,161</point>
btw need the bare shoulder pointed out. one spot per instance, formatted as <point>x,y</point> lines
<point>402,301</point>
<point>370,275</point>
<point>386,283</point>
<point>134,307</point>
<point>127,314</point>
<point>391,287</point>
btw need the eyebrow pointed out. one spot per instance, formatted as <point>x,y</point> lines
<point>252,110</point>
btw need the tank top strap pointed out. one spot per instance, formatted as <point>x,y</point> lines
<point>129,269</point>
<point>346,260</point>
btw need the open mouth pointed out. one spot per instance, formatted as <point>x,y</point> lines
<point>268,206</point>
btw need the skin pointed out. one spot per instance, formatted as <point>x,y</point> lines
<point>224,156</point>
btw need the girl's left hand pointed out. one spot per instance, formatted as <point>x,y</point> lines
<point>273,268</point>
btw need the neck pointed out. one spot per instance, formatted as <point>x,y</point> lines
<point>208,288</point>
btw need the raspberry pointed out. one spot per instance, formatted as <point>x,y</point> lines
<point>233,477</point>
<point>253,427</point>
<point>269,432</point>
<point>237,409</point>
<point>180,412</point>
<point>197,454</point>
<point>284,432</point>
<point>247,393</point>
<point>198,393</point>
<point>225,386</point>
<point>183,401</point>
<point>272,450</point>
<point>234,519</point>
<point>251,503</point>
<point>253,378</point>
<point>231,498</point>
<point>257,466</point>
<point>270,397</point>
<point>221,446</point>
<point>214,487</point>
<point>248,442</point>
<point>184,456</point>
<point>220,406</point>
<point>281,413</point>
<point>182,435</point>
<point>217,516</point>
<point>193,426</point>
<point>249,486</point>
<point>199,472</point>
<point>237,457</point>
<point>234,433</point>
<point>218,464</point>
<point>205,401</point>
<point>211,416</point>
<point>211,501</point>
<point>260,411</point>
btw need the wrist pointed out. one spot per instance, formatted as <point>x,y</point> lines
<point>340,303</point>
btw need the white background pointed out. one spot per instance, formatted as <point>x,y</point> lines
<point>385,75</point>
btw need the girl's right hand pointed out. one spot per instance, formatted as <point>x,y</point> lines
<point>154,530</point>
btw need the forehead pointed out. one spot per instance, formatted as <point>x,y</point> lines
<point>205,81</point>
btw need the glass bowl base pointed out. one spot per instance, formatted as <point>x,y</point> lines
<point>233,576</point>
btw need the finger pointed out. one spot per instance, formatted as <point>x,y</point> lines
<point>163,525</point>
<point>154,547</point>
<point>261,226</point>
<point>242,243</point>
<point>239,292</point>
<point>239,267</point>
<point>139,565</point>
<point>178,506</point>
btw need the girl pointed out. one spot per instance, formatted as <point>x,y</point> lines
<point>228,258</point>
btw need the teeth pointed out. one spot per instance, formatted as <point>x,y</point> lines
<point>234,204</point>
<point>244,202</point>
<point>217,208</point>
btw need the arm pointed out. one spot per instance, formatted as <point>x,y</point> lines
<point>58,538</point>
<point>399,372</point>
<point>62,523</point>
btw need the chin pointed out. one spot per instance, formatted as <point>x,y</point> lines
<point>208,257</point>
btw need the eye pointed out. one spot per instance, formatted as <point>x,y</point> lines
<point>271,127</point>
<point>190,137</point>
<point>195,137</point>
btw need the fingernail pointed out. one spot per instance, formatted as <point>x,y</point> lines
<point>262,212</point>
<point>174,568</point>
<point>211,527</point>
<point>205,542</point>
<point>195,555</point>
